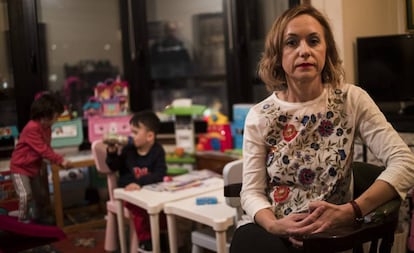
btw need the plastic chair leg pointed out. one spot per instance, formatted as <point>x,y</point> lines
<point>196,249</point>
<point>111,234</point>
<point>133,245</point>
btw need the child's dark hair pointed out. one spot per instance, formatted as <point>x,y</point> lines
<point>148,118</point>
<point>46,106</point>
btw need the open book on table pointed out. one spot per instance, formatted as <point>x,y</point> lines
<point>191,179</point>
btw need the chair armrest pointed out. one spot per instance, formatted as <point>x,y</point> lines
<point>385,211</point>
<point>379,224</point>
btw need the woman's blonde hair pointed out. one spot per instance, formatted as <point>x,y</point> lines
<point>270,66</point>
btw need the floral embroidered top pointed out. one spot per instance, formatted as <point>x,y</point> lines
<point>294,153</point>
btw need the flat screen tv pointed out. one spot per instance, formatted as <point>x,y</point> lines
<point>385,69</point>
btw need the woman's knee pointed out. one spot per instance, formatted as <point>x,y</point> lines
<point>244,239</point>
<point>253,238</point>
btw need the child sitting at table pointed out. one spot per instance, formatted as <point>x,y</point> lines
<point>140,163</point>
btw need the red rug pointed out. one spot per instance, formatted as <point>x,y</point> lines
<point>89,241</point>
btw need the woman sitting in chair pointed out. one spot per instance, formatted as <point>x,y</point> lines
<point>298,142</point>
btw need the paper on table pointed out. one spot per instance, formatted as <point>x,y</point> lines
<point>191,179</point>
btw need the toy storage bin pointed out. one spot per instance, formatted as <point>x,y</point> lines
<point>67,133</point>
<point>8,139</point>
<point>9,132</point>
<point>73,185</point>
<point>100,125</point>
<point>8,197</point>
<point>239,116</point>
<point>73,182</point>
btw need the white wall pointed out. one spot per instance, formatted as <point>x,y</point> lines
<point>333,10</point>
<point>369,18</point>
<point>356,18</point>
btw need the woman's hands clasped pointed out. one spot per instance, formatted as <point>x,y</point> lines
<point>322,216</point>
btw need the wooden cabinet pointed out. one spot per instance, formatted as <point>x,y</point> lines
<point>213,160</point>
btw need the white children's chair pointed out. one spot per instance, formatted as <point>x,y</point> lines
<point>111,233</point>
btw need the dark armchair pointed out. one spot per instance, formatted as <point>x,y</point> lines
<point>383,223</point>
<point>382,226</point>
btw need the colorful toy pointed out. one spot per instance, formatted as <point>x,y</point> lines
<point>184,125</point>
<point>110,99</point>
<point>67,133</point>
<point>67,114</point>
<point>113,96</point>
<point>218,136</point>
<point>92,107</point>
<point>206,201</point>
<point>99,126</point>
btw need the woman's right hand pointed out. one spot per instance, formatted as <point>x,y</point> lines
<point>280,227</point>
<point>288,225</point>
<point>285,225</point>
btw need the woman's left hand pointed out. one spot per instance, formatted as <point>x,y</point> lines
<point>333,216</point>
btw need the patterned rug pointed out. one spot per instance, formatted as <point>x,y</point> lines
<point>88,241</point>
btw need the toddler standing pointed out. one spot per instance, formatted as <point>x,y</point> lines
<point>33,146</point>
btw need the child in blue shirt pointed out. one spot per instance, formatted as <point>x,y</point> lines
<point>140,163</point>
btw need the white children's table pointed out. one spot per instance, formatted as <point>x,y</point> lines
<point>153,202</point>
<point>218,216</point>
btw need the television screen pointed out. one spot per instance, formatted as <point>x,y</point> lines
<point>386,67</point>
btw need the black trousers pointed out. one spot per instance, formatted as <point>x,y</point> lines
<point>251,238</point>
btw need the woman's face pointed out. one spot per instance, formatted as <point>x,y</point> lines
<point>304,49</point>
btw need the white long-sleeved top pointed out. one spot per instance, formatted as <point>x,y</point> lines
<point>294,153</point>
